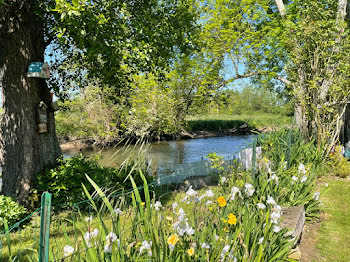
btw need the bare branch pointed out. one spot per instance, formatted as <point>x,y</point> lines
<point>284,80</point>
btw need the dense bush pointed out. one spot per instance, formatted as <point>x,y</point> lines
<point>10,211</point>
<point>65,180</point>
<point>338,164</point>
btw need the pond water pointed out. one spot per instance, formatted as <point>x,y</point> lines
<point>165,154</point>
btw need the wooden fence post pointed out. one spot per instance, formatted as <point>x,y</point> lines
<point>45,227</point>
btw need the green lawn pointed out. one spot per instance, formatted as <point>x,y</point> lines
<point>334,234</point>
<point>223,122</point>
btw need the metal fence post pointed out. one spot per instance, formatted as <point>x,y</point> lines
<point>44,227</point>
<point>289,147</point>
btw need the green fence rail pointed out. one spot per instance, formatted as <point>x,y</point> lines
<point>42,234</point>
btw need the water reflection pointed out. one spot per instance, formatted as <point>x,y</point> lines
<point>166,154</point>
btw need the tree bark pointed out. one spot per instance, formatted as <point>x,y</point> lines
<point>23,151</point>
<point>281,8</point>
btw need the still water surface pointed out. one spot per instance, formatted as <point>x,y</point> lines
<point>165,154</point>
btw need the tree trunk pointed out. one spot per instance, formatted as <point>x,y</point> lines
<point>23,151</point>
<point>346,128</point>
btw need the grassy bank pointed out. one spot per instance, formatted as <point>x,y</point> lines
<point>333,237</point>
<point>224,122</point>
<point>68,129</point>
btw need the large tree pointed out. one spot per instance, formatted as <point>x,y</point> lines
<point>302,47</point>
<point>315,36</point>
<point>110,39</point>
<point>23,151</point>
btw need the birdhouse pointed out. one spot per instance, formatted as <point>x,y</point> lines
<point>54,105</point>
<point>39,70</point>
<point>42,117</point>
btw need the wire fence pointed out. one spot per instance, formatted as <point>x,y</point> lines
<point>48,235</point>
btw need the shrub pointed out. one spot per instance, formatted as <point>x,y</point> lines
<point>10,211</point>
<point>338,164</point>
<point>64,181</point>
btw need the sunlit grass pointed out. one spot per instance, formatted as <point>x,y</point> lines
<point>333,236</point>
<point>224,122</point>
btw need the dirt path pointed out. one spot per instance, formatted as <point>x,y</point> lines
<point>308,242</point>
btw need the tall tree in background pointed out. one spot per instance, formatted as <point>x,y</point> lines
<point>301,47</point>
<point>111,39</point>
<point>315,36</point>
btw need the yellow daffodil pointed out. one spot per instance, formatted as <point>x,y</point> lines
<point>190,252</point>
<point>232,220</point>
<point>222,201</point>
<point>173,239</point>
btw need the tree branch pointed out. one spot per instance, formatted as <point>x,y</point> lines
<point>341,10</point>
<point>236,78</point>
<point>280,78</point>
<point>281,7</point>
<point>284,80</point>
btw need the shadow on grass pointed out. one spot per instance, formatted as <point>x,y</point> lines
<point>213,125</point>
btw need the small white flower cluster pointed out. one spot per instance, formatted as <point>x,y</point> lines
<point>210,194</point>
<point>111,238</point>
<point>205,246</point>
<point>146,246</point>
<point>224,251</point>
<point>223,180</point>
<point>88,219</point>
<point>118,211</point>
<point>284,165</point>
<point>273,177</point>
<point>261,240</point>
<point>234,191</point>
<point>275,214</point>
<point>190,196</point>
<point>181,225</point>
<point>89,235</point>
<point>249,189</point>
<point>157,205</point>
<point>316,196</point>
<point>68,250</point>
<point>302,169</point>
<point>296,179</point>
<point>261,206</point>
<point>174,206</point>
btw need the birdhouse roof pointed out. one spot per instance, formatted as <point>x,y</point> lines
<point>37,67</point>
